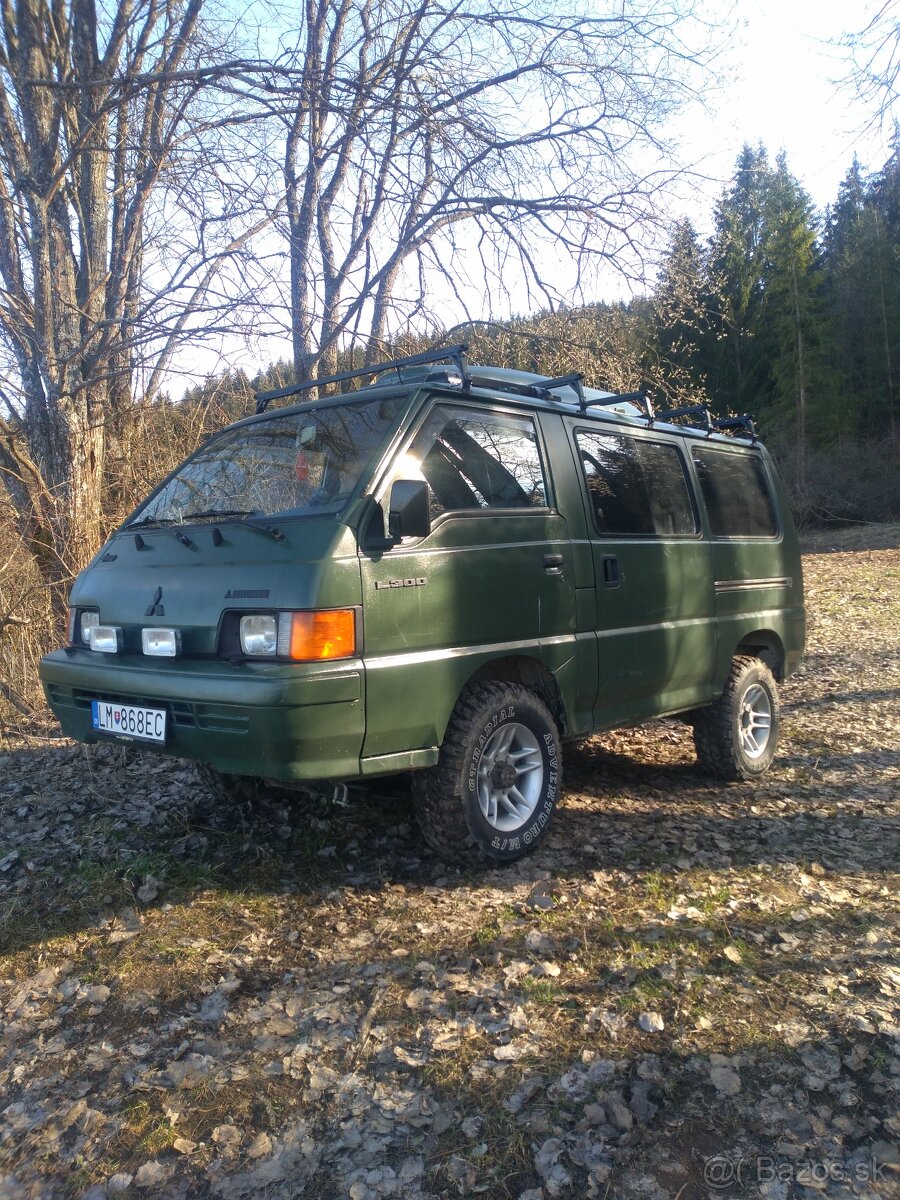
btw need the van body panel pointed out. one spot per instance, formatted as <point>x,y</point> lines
<point>302,721</point>
<point>758,585</point>
<point>474,590</point>
<point>667,660</point>
<point>654,613</point>
<point>580,688</point>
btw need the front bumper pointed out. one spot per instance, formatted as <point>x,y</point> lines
<point>279,721</point>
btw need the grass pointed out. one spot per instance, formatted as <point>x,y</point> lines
<point>540,991</point>
<point>228,899</point>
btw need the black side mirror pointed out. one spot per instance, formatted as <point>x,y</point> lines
<point>409,510</point>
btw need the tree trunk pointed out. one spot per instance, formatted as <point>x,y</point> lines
<point>801,385</point>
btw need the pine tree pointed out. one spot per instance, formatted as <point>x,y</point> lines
<point>862,262</point>
<point>736,266</point>
<point>793,331</point>
<point>884,239</point>
<point>679,321</point>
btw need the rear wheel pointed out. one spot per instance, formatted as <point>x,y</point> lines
<point>497,782</point>
<point>736,737</point>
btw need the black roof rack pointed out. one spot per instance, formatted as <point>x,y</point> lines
<point>690,410</point>
<point>456,354</point>
<point>576,382</point>
<point>744,422</point>
<point>707,422</point>
<point>540,388</point>
<point>639,398</point>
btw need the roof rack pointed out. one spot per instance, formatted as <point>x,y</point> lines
<point>708,423</point>
<point>576,381</point>
<point>744,422</point>
<point>540,388</point>
<point>690,410</point>
<point>457,355</point>
<point>639,398</point>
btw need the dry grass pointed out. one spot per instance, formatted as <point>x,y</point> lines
<point>759,923</point>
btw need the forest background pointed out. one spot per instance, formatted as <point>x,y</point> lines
<point>175,175</point>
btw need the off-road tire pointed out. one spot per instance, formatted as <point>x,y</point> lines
<point>717,729</point>
<point>445,796</point>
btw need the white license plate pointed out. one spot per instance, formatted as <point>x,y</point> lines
<point>128,720</point>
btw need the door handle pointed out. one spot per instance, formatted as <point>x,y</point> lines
<point>553,564</point>
<point>612,572</point>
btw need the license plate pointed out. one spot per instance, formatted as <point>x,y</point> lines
<point>128,720</point>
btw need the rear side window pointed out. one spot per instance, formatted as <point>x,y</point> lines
<point>736,494</point>
<point>477,460</point>
<point>636,487</point>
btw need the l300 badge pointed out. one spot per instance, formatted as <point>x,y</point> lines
<point>419,581</point>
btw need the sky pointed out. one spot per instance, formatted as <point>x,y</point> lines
<point>780,90</point>
<point>782,82</point>
<point>779,85</point>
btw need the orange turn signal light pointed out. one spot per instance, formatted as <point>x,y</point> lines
<point>319,635</point>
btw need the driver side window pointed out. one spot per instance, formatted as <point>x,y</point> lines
<point>474,460</point>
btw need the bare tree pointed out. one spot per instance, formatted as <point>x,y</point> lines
<point>116,217</point>
<point>420,134</point>
<point>875,73</point>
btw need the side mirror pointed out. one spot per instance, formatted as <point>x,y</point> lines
<point>409,510</point>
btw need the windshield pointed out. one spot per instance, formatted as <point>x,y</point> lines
<point>303,464</point>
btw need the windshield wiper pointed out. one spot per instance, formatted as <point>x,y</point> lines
<point>195,516</point>
<point>153,521</point>
<point>221,512</point>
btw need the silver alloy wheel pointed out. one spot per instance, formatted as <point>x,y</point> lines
<point>755,721</point>
<point>510,777</point>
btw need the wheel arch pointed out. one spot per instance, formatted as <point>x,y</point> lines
<point>530,673</point>
<point>766,645</point>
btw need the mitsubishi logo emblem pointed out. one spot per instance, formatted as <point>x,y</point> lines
<point>156,609</point>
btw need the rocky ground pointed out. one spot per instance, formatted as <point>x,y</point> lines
<point>690,991</point>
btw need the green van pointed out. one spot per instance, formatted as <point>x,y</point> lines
<point>447,573</point>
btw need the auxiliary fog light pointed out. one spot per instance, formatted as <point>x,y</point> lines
<point>106,638</point>
<point>161,643</point>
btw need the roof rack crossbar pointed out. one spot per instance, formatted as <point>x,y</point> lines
<point>744,422</point>
<point>689,410</point>
<point>457,355</point>
<point>640,398</point>
<point>575,381</point>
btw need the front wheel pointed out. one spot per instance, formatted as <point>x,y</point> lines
<point>737,736</point>
<point>498,779</point>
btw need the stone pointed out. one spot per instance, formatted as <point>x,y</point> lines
<point>725,1080</point>
<point>260,1146</point>
<point>651,1022</point>
<point>152,1175</point>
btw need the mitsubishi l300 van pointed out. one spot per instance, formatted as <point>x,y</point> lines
<point>448,573</point>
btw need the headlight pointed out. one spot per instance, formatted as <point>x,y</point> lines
<point>300,636</point>
<point>89,620</point>
<point>259,634</point>
<point>107,639</point>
